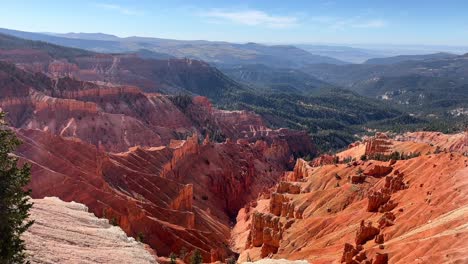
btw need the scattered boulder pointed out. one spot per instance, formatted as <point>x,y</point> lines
<point>366,233</point>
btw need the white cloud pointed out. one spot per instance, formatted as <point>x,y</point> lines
<point>376,23</point>
<point>340,23</point>
<point>118,8</point>
<point>252,18</point>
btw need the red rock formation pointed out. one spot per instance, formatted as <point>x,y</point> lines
<point>395,183</point>
<point>332,211</point>
<point>379,144</point>
<point>249,127</point>
<point>300,170</point>
<point>376,200</point>
<point>184,201</point>
<point>357,179</point>
<point>276,203</point>
<point>349,252</point>
<point>288,187</point>
<point>454,142</point>
<point>365,233</point>
<point>386,220</point>
<point>381,258</point>
<point>324,159</point>
<point>116,149</point>
<point>377,170</point>
<point>266,233</point>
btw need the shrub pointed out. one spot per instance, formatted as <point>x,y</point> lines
<point>182,101</point>
<point>196,257</point>
<point>140,237</point>
<point>337,176</point>
<point>231,260</point>
<point>173,258</point>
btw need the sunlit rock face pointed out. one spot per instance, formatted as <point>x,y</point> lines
<point>138,160</point>
<point>67,233</point>
<point>362,211</point>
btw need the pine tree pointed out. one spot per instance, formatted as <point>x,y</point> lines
<point>196,257</point>
<point>14,201</point>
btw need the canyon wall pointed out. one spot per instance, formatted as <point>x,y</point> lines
<point>362,211</point>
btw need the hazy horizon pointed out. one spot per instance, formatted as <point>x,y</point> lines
<point>302,22</point>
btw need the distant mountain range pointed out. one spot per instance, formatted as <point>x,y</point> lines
<point>350,54</point>
<point>285,56</point>
<point>403,58</point>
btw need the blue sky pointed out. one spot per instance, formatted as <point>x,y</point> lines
<point>427,22</point>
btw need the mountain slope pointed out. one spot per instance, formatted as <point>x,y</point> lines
<point>361,211</point>
<point>430,88</point>
<point>166,76</point>
<point>402,58</point>
<point>332,117</point>
<point>212,52</point>
<point>282,80</point>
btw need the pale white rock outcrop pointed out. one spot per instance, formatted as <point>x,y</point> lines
<point>67,233</point>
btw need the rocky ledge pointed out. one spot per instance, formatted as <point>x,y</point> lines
<point>66,233</point>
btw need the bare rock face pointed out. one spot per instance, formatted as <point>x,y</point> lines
<point>288,187</point>
<point>357,179</point>
<point>449,142</point>
<point>66,233</point>
<point>184,201</point>
<point>377,170</point>
<point>395,183</point>
<point>118,149</point>
<point>432,187</point>
<point>381,258</point>
<point>324,159</point>
<point>300,171</point>
<point>115,117</point>
<point>376,200</point>
<point>266,233</point>
<point>365,233</point>
<point>386,220</point>
<point>348,254</point>
<point>379,144</point>
<point>277,202</point>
